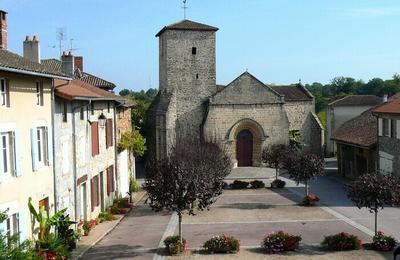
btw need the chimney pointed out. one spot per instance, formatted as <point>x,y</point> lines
<point>79,62</point>
<point>67,63</point>
<point>3,30</point>
<point>385,98</point>
<point>32,49</point>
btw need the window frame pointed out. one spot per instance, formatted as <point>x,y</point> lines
<point>12,225</point>
<point>64,112</point>
<point>4,93</point>
<point>8,152</point>
<point>39,93</point>
<point>393,128</point>
<point>385,127</point>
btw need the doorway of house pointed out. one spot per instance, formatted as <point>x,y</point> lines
<point>244,148</point>
<point>102,192</point>
<point>83,202</point>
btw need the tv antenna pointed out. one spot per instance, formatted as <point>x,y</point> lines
<point>71,49</point>
<point>61,33</point>
<point>184,7</point>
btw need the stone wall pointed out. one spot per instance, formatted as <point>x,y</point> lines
<point>124,121</point>
<point>268,124</point>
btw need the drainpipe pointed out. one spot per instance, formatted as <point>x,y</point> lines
<point>74,156</point>
<point>53,150</point>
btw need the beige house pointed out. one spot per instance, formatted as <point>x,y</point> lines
<point>26,137</point>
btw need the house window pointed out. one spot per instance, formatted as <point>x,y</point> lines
<point>393,128</point>
<point>109,133</point>
<point>4,93</point>
<point>39,93</point>
<point>95,200</point>
<point>108,106</point>
<point>7,145</point>
<point>64,112</point>
<point>110,180</point>
<point>41,144</point>
<point>44,203</point>
<point>82,114</point>
<point>92,108</point>
<point>385,126</point>
<point>95,138</point>
<point>12,225</point>
<point>194,50</point>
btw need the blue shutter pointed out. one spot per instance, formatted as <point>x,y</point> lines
<point>1,161</point>
<point>22,226</point>
<point>34,149</point>
<point>3,227</point>
<point>17,153</point>
<point>49,145</point>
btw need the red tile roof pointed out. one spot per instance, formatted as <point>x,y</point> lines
<point>76,89</point>
<point>390,107</point>
<point>359,131</point>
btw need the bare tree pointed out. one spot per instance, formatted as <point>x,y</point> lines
<point>190,178</point>
<point>374,191</point>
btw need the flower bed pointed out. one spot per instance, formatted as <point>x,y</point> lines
<point>342,242</point>
<point>174,246</point>
<point>237,185</point>
<point>278,184</point>
<point>381,242</point>
<point>222,244</point>
<point>256,184</point>
<point>280,241</point>
<point>310,200</point>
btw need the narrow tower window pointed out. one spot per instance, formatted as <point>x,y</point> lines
<point>197,76</point>
<point>194,50</point>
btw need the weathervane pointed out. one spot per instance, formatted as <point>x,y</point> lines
<point>184,7</point>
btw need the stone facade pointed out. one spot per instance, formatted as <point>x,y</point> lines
<point>124,120</point>
<point>189,104</point>
<point>75,194</point>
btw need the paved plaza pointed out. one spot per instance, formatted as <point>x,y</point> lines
<point>248,215</point>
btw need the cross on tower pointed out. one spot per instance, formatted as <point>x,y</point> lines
<point>184,7</point>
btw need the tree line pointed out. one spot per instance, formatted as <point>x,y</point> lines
<point>342,86</point>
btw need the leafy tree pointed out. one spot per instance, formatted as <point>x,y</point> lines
<point>374,191</point>
<point>190,178</point>
<point>373,87</point>
<point>274,156</point>
<point>134,142</point>
<point>302,167</point>
<point>295,139</point>
<point>322,117</point>
<point>125,92</point>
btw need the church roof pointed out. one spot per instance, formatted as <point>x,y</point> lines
<point>293,92</point>
<point>187,25</point>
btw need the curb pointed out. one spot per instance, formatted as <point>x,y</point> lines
<point>107,232</point>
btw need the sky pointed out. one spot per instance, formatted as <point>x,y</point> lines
<point>279,42</point>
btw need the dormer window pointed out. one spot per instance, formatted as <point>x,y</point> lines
<point>194,50</point>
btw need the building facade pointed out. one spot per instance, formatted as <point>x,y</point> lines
<point>26,138</point>
<point>246,115</point>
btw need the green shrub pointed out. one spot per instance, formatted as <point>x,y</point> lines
<point>279,242</point>
<point>222,244</point>
<point>278,184</point>
<point>237,185</point>
<point>174,245</point>
<point>256,184</point>
<point>133,185</point>
<point>105,216</point>
<point>341,242</point>
<point>381,242</point>
<point>52,248</point>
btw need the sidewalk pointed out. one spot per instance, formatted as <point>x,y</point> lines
<point>100,231</point>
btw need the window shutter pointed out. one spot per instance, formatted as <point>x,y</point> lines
<point>3,227</point>
<point>8,92</point>
<point>108,182</point>
<point>49,134</point>
<point>398,129</point>
<point>22,226</point>
<point>95,138</point>
<point>17,152</point>
<point>34,150</point>
<point>107,135</point>
<point>92,193</point>
<point>98,191</point>
<point>110,125</point>
<point>112,178</point>
<point>379,126</point>
<point>390,127</point>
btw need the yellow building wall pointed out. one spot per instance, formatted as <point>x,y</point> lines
<point>24,114</point>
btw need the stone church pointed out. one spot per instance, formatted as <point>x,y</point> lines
<point>245,116</point>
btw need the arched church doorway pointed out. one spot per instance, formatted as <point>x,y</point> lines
<point>244,148</point>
